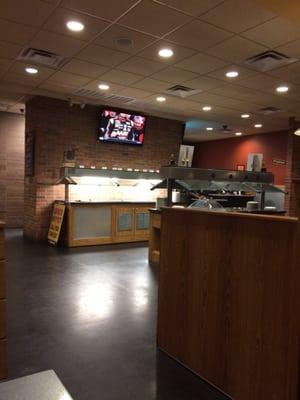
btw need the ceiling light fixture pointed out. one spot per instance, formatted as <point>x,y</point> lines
<point>75,26</point>
<point>31,70</point>
<point>297,132</point>
<point>282,89</point>
<point>238,133</point>
<point>206,108</point>
<point>160,99</point>
<point>103,86</point>
<point>209,128</point>
<point>258,126</point>
<point>166,53</point>
<point>232,74</point>
<point>245,115</point>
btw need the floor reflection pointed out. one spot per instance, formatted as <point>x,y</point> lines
<point>96,301</point>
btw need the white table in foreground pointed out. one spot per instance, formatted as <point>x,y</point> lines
<point>41,386</point>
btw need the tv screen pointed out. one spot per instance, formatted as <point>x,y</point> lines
<point>121,127</point>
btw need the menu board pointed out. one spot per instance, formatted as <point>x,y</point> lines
<point>56,222</point>
<point>29,153</point>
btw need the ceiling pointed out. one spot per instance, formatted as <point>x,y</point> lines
<point>208,37</point>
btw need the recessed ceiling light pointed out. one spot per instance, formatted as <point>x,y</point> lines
<point>209,128</point>
<point>31,70</point>
<point>206,108</point>
<point>245,115</point>
<point>161,99</point>
<point>232,74</point>
<point>282,89</point>
<point>103,86</point>
<point>75,26</point>
<point>258,126</point>
<point>238,133</point>
<point>297,132</point>
<point>165,53</point>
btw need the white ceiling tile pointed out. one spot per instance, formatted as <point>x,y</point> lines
<point>139,40</point>
<point>84,68</point>
<point>291,49</point>
<point>4,64</point>
<point>274,33</point>
<point>9,50</point>
<point>217,100</point>
<point>29,12</point>
<point>180,53</point>
<point>133,92</point>
<point>100,8</point>
<point>201,63</point>
<point>203,83</point>
<point>221,73</point>
<point>193,7</point>
<point>153,18</point>
<point>198,35</point>
<point>68,79</point>
<point>29,81</point>
<point>260,82</point>
<point>152,85</point>
<point>19,68</point>
<point>236,49</point>
<point>57,23</point>
<point>138,65</point>
<point>59,44</point>
<point>114,88</point>
<point>102,55</point>
<point>174,75</point>
<point>121,77</point>
<point>57,87</point>
<point>238,15</point>
<point>15,32</point>
<point>290,72</point>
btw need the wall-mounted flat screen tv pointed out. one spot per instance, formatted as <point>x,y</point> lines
<point>121,127</point>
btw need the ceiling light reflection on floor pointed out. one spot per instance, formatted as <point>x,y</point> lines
<point>96,301</point>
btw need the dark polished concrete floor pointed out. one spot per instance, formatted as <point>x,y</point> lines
<point>90,314</point>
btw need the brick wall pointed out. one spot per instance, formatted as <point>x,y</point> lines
<point>59,127</point>
<point>12,128</point>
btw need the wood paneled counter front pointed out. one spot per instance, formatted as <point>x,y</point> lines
<point>93,223</point>
<point>229,300</point>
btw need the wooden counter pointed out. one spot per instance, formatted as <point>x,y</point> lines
<point>154,236</point>
<point>89,223</point>
<point>3,356</point>
<point>229,300</point>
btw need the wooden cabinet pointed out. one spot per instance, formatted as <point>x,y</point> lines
<point>131,224</point>
<point>105,223</point>
<point>154,237</point>
<point>3,356</point>
<point>123,224</point>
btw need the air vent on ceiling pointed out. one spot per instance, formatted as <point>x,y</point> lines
<point>269,60</point>
<point>112,98</point>
<point>181,91</point>
<point>44,57</point>
<point>225,129</point>
<point>268,110</point>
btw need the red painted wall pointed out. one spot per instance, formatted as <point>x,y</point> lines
<point>228,153</point>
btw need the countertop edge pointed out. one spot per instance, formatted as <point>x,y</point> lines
<point>262,217</point>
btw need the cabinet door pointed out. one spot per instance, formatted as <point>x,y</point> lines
<point>142,222</point>
<point>124,224</point>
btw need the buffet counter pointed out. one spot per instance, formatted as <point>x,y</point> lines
<point>229,300</point>
<point>93,223</point>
